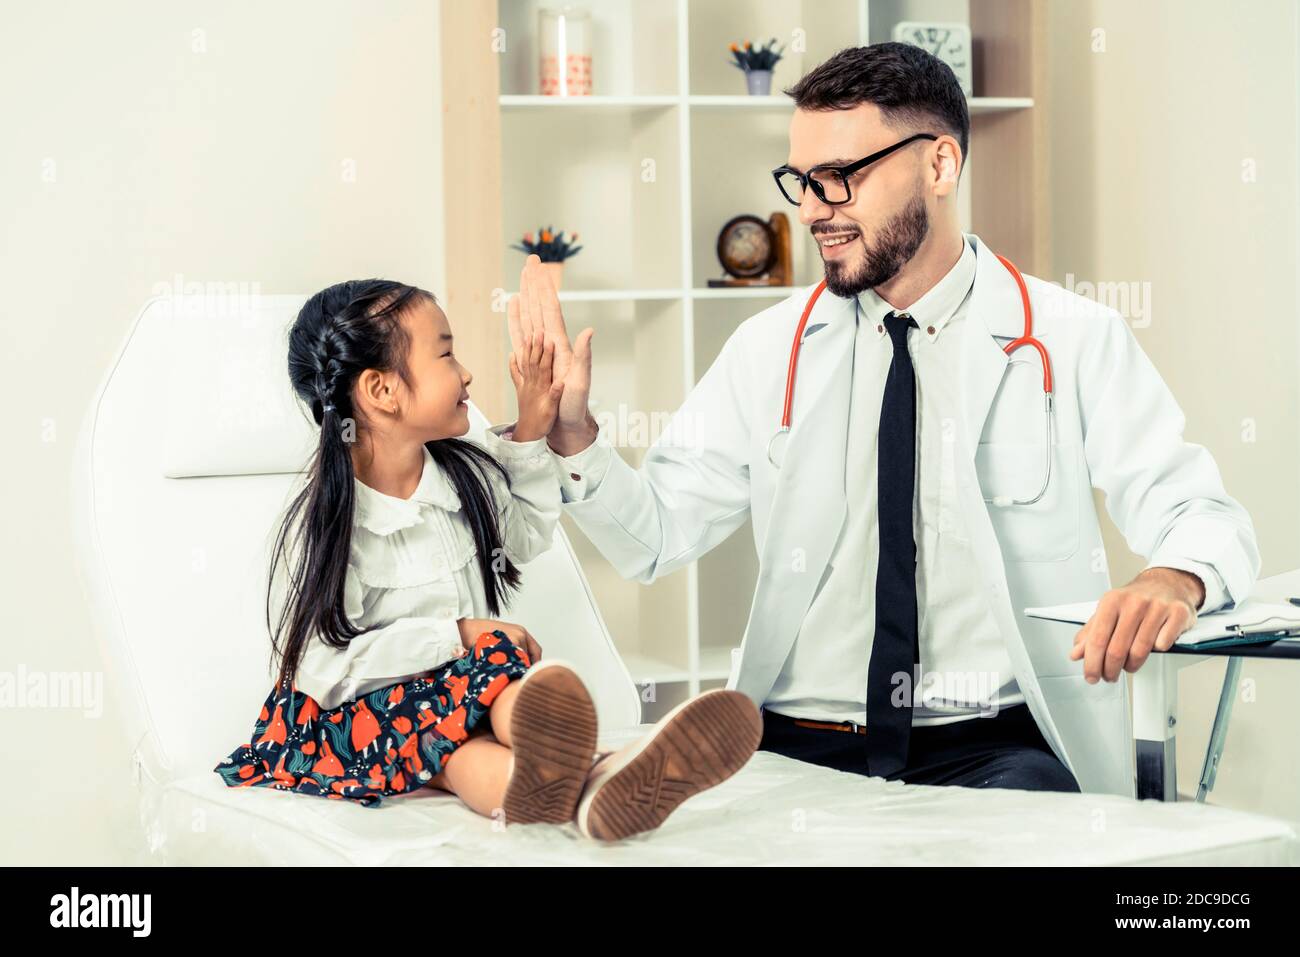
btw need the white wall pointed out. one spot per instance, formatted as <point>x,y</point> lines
<point>144,141</point>
<point>1174,168</point>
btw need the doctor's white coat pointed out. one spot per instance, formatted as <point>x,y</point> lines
<point>1117,428</point>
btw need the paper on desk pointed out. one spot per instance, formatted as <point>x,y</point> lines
<point>1250,616</point>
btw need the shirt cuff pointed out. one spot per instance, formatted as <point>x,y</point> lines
<point>580,474</point>
<point>1216,594</point>
<point>498,441</point>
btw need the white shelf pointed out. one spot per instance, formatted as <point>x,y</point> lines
<point>777,101</point>
<point>518,102</point>
<point>743,292</point>
<point>700,292</point>
<point>998,104</point>
<point>715,663</point>
<point>646,669</point>
<point>616,295</point>
<point>976,104</point>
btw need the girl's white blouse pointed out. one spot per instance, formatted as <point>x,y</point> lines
<point>412,572</point>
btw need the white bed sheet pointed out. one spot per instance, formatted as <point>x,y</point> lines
<point>774,811</point>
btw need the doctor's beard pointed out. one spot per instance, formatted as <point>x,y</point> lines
<point>896,243</point>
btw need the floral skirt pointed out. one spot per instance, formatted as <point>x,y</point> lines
<point>390,741</point>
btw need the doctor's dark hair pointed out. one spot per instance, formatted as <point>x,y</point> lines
<point>340,332</point>
<point>913,89</point>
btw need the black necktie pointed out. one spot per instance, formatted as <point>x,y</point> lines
<point>894,649</point>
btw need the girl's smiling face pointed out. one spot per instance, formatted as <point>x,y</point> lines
<point>433,406</point>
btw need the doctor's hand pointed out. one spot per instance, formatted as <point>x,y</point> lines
<point>1148,613</point>
<point>535,310</point>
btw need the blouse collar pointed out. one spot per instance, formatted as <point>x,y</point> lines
<point>385,514</point>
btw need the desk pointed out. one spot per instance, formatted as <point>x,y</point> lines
<point>1155,700</point>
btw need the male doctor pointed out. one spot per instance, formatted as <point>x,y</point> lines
<point>902,533</point>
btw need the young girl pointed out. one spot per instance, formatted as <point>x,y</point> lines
<point>404,542</point>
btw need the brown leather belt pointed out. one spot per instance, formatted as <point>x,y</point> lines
<point>832,726</point>
<point>823,725</point>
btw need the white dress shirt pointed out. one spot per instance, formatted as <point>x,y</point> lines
<point>965,667</point>
<point>964,663</point>
<point>412,573</point>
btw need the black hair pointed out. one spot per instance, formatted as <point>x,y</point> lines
<point>340,332</point>
<point>912,88</point>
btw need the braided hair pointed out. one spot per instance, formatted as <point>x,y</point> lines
<point>340,332</point>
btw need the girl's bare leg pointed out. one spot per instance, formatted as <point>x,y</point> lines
<point>477,772</point>
<point>439,780</point>
<point>481,780</point>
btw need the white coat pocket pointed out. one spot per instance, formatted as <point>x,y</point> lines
<point>1047,530</point>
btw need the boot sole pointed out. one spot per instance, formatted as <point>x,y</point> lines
<point>554,735</point>
<point>696,746</point>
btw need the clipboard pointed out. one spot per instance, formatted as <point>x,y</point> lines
<point>1250,623</point>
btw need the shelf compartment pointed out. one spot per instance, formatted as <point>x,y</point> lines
<point>826,26</point>
<point>633,48</point>
<point>743,185</point>
<point>620,193</point>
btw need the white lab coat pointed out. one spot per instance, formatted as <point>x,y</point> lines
<point>1117,427</point>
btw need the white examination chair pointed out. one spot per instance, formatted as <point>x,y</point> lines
<point>186,457</point>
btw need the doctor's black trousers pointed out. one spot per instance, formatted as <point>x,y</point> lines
<point>1001,750</point>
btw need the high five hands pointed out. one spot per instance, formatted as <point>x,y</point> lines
<point>554,375</point>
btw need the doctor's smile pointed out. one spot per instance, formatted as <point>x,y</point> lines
<point>835,243</point>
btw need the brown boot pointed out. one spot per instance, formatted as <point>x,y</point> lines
<point>697,745</point>
<point>553,733</point>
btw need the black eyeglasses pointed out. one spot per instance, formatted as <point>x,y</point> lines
<point>831,183</point>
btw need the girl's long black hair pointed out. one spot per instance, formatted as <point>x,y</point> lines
<point>339,332</point>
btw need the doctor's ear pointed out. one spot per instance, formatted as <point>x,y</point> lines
<point>947,165</point>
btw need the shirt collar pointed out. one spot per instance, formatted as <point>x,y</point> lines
<point>933,310</point>
<point>385,514</point>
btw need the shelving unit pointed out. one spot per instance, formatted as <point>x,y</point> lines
<point>648,169</point>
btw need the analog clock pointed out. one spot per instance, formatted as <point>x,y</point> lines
<point>950,42</point>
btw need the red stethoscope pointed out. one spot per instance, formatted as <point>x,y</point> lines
<point>776,445</point>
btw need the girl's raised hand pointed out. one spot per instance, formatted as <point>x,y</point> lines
<point>536,309</point>
<point>537,392</point>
